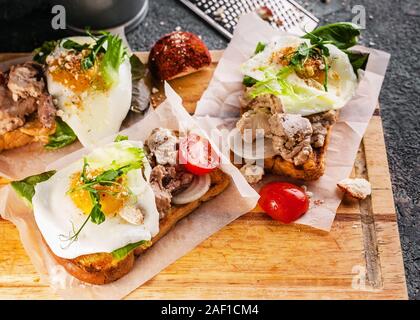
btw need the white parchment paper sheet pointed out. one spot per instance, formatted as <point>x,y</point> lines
<point>238,199</point>
<point>219,107</point>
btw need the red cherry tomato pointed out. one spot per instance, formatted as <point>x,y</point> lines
<point>283,201</point>
<point>197,155</point>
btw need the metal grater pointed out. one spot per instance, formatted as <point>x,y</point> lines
<point>223,15</point>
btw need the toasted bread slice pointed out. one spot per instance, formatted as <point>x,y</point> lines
<point>102,268</point>
<point>311,170</point>
<point>32,131</point>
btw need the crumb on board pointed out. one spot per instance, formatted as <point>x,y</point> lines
<point>357,188</point>
<point>265,13</point>
<point>318,202</point>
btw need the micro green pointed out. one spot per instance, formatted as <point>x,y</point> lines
<point>107,178</point>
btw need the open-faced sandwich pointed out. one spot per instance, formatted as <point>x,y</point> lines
<point>84,87</point>
<point>75,88</point>
<point>100,212</point>
<point>293,90</point>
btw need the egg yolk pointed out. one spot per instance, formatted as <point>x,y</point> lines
<point>112,198</point>
<point>67,70</point>
<point>310,70</point>
<point>282,57</point>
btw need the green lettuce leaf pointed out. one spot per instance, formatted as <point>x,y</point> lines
<point>120,138</point>
<point>295,97</point>
<point>121,253</point>
<point>260,47</point>
<point>274,83</point>
<point>62,137</point>
<point>26,187</point>
<point>113,58</point>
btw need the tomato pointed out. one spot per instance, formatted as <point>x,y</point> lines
<point>283,201</point>
<point>197,155</point>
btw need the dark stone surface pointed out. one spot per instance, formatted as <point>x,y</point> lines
<point>393,26</point>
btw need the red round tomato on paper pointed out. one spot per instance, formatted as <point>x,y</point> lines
<point>283,201</point>
<point>197,155</point>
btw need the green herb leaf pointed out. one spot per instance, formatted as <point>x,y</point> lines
<point>341,34</point>
<point>41,53</point>
<point>316,50</point>
<point>249,81</point>
<point>357,59</point>
<point>89,61</point>
<point>108,176</point>
<point>113,50</point>
<point>73,45</point>
<point>121,253</point>
<point>302,53</point>
<point>120,138</point>
<point>96,215</point>
<point>70,239</point>
<point>304,50</point>
<point>260,47</point>
<point>85,166</point>
<point>324,60</point>
<point>62,137</point>
<point>26,187</point>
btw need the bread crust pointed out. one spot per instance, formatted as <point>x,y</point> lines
<point>98,268</point>
<point>311,170</point>
<point>101,268</point>
<point>32,131</point>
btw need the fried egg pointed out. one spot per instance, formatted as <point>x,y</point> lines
<point>301,92</point>
<point>60,208</point>
<point>92,109</point>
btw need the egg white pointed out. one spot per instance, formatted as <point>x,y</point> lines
<point>252,66</point>
<point>309,99</point>
<point>100,114</point>
<point>56,214</point>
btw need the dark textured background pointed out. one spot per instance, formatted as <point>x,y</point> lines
<point>393,26</point>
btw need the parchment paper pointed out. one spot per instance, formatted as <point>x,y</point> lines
<point>238,199</point>
<point>219,107</point>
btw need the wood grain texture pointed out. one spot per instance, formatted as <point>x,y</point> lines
<point>257,258</point>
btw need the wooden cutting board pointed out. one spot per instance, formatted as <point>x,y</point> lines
<point>258,258</point>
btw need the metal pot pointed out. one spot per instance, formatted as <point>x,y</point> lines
<point>103,14</point>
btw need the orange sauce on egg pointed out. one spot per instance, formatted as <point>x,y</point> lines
<point>67,70</point>
<point>311,69</point>
<point>282,57</point>
<point>112,198</point>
